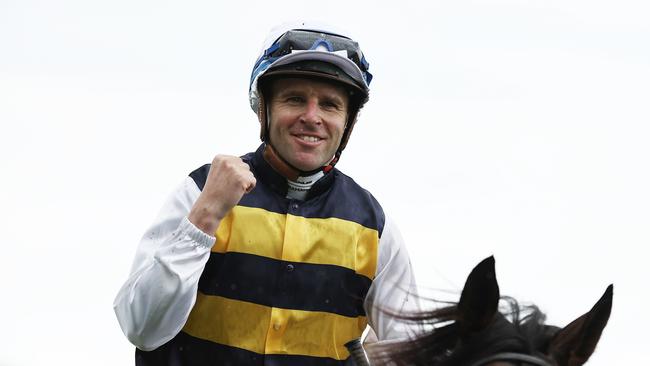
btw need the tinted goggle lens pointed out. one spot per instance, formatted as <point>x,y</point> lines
<point>306,40</point>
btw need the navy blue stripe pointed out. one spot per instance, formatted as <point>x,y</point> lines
<point>341,197</point>
<point>262,196</point>
<point>185,350</point>
<point>283,284</point>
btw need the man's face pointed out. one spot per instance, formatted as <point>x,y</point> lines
<point>306,120</point>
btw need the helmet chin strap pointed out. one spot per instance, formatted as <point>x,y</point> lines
<point>289,171</point>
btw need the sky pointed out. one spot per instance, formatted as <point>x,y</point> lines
<point>510,128</point>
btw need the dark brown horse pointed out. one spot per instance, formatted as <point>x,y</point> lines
<point>475,333</point>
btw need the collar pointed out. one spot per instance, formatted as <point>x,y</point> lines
<point>299,188</point>
<point>265,171</point>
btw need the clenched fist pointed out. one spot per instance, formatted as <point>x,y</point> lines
<point>229,178</point>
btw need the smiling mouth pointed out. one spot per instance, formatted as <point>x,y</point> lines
<point>308,138</point>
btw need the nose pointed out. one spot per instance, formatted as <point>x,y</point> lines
<point>311,114</point>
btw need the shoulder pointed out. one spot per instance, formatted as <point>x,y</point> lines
<point>347,185</point>
<point>355,195</point>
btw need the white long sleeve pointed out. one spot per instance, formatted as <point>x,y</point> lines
<point>153,304</point>
<point>393,290</point>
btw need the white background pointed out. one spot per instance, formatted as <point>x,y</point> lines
<point>513,128</point>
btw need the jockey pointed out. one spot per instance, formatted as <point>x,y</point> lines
<point>274,257</point>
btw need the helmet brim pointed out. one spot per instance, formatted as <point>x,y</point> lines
<point>347,66</point>
<point>316,70</point>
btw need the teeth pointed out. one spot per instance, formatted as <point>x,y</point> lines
<point>309,138</point>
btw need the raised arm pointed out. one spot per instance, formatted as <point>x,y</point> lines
<point>153,304</point>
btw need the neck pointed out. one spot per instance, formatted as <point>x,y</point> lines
<point>299,182</point>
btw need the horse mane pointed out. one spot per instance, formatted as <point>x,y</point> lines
<point>515,328</point>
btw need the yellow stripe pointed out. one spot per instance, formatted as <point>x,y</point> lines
<point>236,323</point>
<point>294,238</point>
<point>268,330</point>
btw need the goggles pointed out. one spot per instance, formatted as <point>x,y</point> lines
<point>298,45</point>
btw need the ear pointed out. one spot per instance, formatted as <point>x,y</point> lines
<point>480,298</point>
<point>573,345</point>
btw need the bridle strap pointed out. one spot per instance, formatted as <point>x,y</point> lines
<point>511,356</point>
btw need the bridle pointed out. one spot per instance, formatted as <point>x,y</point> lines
<point>512,356</point>
<point>360,358</point>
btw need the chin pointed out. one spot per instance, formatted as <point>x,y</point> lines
<point>307,168</point>
<point>307,165</point>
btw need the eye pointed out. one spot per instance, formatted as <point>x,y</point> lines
<point>294,99</point>
<point>331,105</point>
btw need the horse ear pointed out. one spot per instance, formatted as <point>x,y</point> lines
<point>479,300</point>
<point>574,344</point>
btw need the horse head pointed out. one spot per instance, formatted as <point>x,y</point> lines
<point>475,332</point>
<point>478,314</point>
